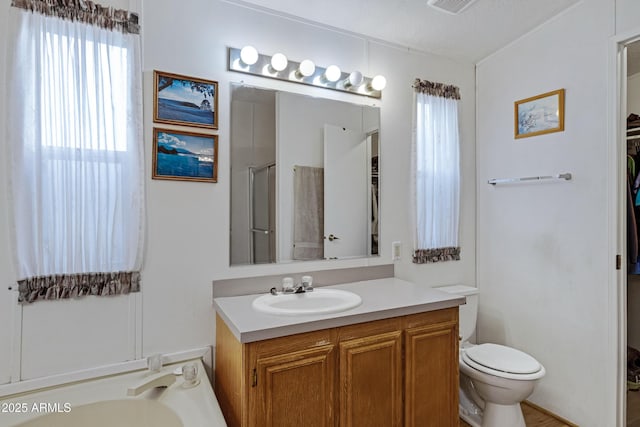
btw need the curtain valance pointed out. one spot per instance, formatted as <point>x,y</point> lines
<point>87,12</point>
<point>436,89</point>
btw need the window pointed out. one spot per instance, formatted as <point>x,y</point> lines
<point>436,172</point>
<point>75,134</point>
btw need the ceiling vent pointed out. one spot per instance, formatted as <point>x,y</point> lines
<point>450,6</point>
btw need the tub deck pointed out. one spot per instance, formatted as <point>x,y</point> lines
<point>196,406</point>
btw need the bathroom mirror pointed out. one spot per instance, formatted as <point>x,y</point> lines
<point>304,177</point>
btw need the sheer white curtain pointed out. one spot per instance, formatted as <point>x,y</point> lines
<point>76,150</point>
<point>435,172</point>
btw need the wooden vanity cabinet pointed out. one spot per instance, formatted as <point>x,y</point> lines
<point>431,369</point>
<point>401,371</point>
<point>370,374</point>
<point>292,381</point>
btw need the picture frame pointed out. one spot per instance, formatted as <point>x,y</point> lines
<point>184,100</point>
<point>185,156</point>
<point>539,114</point>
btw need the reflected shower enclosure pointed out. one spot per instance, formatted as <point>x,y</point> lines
<point>262,214</point>
<point>253,172</point>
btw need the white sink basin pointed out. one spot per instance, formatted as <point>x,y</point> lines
<point>320,301</point>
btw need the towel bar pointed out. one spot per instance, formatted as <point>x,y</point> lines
<point>565,176</point>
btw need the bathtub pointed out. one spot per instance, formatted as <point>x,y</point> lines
<point>104,402</point>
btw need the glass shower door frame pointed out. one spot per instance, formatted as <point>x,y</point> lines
<point>270,212</point>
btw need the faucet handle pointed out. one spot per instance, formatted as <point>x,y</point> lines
<point>154,362</point>
<point>190,375</point>
<point>307,283</point>
<point>287,284</point>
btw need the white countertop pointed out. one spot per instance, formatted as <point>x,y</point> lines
<point>381,299</point>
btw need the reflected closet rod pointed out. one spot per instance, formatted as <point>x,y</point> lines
<point>565,176</point>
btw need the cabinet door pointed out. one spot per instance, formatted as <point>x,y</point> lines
<point>431,375</point>
<point>370,381</point>
<point>294,389</point>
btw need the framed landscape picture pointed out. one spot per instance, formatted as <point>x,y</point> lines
<point>185,156</point>
<point>182,100</point>
<point>539,114</point>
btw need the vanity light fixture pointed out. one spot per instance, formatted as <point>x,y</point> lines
<point>378,83</point>
<point>279,62</point>
<point>332,73</point>
<point>306,68</point>
<point>247,60</point>
<point>249,55</point>
<point>354,79</point>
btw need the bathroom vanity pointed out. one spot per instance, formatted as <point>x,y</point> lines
<point>391,361</point>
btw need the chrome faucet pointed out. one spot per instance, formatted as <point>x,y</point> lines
<point>162,379</point>
<point>288,287</point>
<point>300,288</point>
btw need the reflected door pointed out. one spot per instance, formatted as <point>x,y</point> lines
<point>345,193</point>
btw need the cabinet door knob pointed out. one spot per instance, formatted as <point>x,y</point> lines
<point>332,237</point>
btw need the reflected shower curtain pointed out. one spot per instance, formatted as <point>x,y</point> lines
<point>308,213</point>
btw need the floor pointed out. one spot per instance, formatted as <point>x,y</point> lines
<point>535,418</point>
<point>633,408</point>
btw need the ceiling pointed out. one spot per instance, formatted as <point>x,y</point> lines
<point>481,29</point>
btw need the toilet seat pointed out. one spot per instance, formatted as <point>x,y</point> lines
<point>502,361</point>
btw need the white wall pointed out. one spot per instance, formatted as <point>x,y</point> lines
<point>627,12</point>
<point>60,336</point>
<point>395,161</point>
<point>300,131</point>
<point>543,264</point>
<point>183,258</point>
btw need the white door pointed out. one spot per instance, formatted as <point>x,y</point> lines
<point>345,193</point>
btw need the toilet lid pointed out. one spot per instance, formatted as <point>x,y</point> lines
<point>504,359</point>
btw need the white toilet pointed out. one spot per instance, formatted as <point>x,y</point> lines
<point>494,379</point>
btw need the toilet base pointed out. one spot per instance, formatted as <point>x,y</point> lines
<point>468,408</point>
<point>502,415</point>
<point>473,422</point>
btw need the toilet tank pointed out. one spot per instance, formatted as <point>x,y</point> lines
<point>468,311</point>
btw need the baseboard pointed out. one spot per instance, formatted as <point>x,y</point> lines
<point>550,414</point>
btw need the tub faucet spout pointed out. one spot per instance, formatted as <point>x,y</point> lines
<point>159,380</point>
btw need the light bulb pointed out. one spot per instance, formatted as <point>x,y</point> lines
<point>378,82</point>
<point>307,68</point>
<point>332,73</point>
<point>249,55</point>
<point>279,62</point>
<point>354,79</point>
